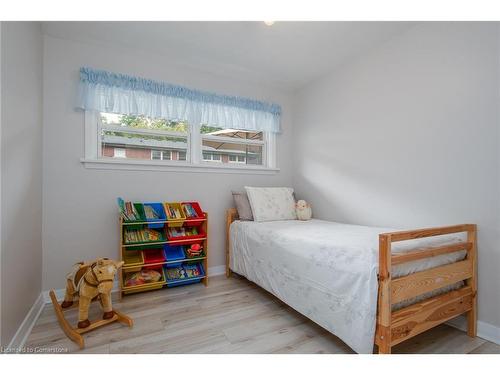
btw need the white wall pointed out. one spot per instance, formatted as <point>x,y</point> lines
<point>79,204</point>
<point>21,158</point>
<point>407,135</point>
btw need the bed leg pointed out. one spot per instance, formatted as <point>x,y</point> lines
<point>384,344</point>
<point>472,322</point>
<point>384,349</point>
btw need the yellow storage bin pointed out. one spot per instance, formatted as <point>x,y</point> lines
<point>133,258</point>
<point>146,286</point>
<point>175,214</point>
<point>143,288</point>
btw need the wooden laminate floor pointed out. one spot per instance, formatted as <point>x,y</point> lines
<point>229,316</point>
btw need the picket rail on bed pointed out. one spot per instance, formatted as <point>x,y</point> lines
<point>394,327</point>
<point>400,325</point>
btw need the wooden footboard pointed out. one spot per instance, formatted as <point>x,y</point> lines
<point>398,326</point>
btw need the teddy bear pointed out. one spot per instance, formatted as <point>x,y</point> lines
<point>303,210</point>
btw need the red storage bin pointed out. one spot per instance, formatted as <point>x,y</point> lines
<point>153,256</point>
<point>192,221</point>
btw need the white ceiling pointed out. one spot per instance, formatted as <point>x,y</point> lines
<point>287,54</point>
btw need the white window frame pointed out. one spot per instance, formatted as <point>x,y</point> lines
<point>194,162</point>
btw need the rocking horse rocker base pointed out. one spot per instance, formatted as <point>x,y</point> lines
<point>75,333</point>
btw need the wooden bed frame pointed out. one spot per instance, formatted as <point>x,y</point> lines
<point>398,326</point>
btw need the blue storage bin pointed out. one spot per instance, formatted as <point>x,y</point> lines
<point>198,266</point>
<point>173,253</point>
<point>183,282</point>
<point>186,280</point>
<point>158,208</point>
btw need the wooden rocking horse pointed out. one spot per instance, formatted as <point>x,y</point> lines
<point>90,282</point>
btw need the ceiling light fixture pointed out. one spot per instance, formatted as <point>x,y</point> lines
<point>269,23</point>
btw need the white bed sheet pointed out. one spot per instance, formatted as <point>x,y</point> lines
<point>325,270</point>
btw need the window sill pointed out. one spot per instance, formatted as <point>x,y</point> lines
<point>144,165</point>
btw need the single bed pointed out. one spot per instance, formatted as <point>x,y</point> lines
<point>366,285</point>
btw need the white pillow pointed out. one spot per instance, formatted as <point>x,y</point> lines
<point>271,203</point>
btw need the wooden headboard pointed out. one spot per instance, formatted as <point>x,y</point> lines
<point>231,215</point>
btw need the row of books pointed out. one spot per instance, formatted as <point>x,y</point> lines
<point>150,235</point>
<point>128,210</point>
<point>156,211</point>
<point>189,211</point>
<point>182,232</point>
<point>184,271</point>
<point>142,235</point>
<point>173,212</point>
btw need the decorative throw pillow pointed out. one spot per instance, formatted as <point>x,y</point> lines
<point>242,205</point>
<point>273,203</point>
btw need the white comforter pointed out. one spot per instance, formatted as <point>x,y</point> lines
<point>325,270</point>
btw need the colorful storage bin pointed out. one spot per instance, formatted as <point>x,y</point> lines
<point>184,274</point>
<point>164,250</point>
<point>153,256</point>
<point>175,214</point>
<point>198,217</point>
<point>127,275</point>
<point>133,258</point>
<point>174,253</point>
<point>158,210</point>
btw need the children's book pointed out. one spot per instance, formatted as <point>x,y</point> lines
<point>150,213</point>
<point>192,270</point>
<point>189,211</point>
<point>182,232</point>
<point>175,273</point>
<point>128,210</point>
<point>142,235</point>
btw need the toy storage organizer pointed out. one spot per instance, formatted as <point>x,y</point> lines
<point>159,240</point>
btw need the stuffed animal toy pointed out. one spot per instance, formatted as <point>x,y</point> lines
<point>303,210</point>
<point>88,281</point>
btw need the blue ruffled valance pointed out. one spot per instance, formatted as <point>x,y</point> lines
<point>119,93</point>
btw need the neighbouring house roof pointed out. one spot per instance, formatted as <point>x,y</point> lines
<point>119,141</point>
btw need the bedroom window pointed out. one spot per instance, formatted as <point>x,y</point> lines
<point>140,141</point>
<point>139,123</point>
<point>233,146</point>
<point>141,138</point>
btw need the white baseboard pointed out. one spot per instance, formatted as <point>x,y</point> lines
<point>217,270</point>
<point>24,330</point>
<point>484,330</point>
